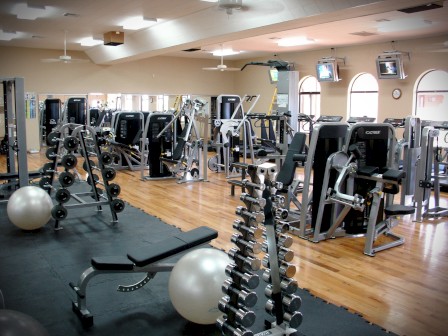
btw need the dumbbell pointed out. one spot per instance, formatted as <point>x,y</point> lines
<point>285,269</point>
<point>230,330</point>
<point>247,215</point>
<point>294,319</point>
<point>245,279</point>
<point>62,195</point>
<point>246,198</point>
<point>283,253</point>
<point>70,143</point>
<point>242,296</point>
<point>112,189</point>
<point>241,315</point>
<point>244,262</point>
<point>247,231</point>
<point>65,178</point>
<point>59,212</point>
<point>288,286</point>
<point>291,303</point>
<point>244,245</point>
<point>108,173</point>
<point>248,184</point>
<point>282,240</point>
<point>67,160</point>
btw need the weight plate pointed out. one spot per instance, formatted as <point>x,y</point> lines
<point>118,205</point>
<point>62,195</point>
<point>66,179</point>
<point>69,161</point>
<point>53,138</point>
<point>71,143</point>
<point>59,212</point>
<point>51,153</point>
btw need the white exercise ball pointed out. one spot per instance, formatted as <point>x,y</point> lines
<point>29,208</point>
<point>195,285</point>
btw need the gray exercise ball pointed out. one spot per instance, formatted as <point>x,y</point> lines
<point>29,208</point>
<point>14,323</point>
<point>195,285</point>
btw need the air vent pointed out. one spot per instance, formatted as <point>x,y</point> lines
<point>71,14</point>
<point>421,8</point>
<point>363,33</point>
<point>192,49</point>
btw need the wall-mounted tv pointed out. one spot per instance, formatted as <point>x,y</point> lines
<point>327,71</point>
<point>390,67</point>
<point>273,75</point>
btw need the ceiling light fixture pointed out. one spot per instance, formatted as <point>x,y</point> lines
<point>25,12</point>
<point>294,41</point>
<point>225,52</point>
<point>138,22</point>
<point>7,35</point>
<point>90,42</point>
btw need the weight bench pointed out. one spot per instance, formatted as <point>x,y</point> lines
<point>142,260</point>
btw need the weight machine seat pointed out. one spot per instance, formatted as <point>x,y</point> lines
<point>293,155</point>
<point>163,249</point>
<point>394,175</point>
<point>367,171</point>
<point>398,209</point>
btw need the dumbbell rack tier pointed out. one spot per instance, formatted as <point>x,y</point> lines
<point>70,137</point>
<point>262,216</point>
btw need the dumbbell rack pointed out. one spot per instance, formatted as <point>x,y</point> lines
<point>85,138</point>
<point>262,215</point>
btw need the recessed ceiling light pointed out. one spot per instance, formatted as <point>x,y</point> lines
<point>26,12</point>
<point>137,23</point>
<point>8,35</point>
<point>90,41</point>
<point>294,41</point>
<point>225,52</point>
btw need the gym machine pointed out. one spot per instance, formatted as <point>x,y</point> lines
<point>365,119</point>
<point>189,154</point>
<point>76,111</point>
<point>17,174</point>
<point>126,132</point>
<point>63,142</point>
<point>155,146</point>
<point>227,138</point>
<point>432,159</point>
<point>262,216</point>
<point>50,116</point>
<point>326,139</point>
<point>354,204</point>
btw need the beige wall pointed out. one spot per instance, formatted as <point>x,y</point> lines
<point>358,59</point>
<point>169,75</point>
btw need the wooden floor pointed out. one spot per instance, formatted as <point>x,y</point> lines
<point>404,289</point>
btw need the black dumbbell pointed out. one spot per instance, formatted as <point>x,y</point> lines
<point>117,205</point>
<point>59,212</point>
<point>113,189</point>
<point>67,160</point>
<point>62,195</point>
<point>66,179</point>
<point>70,143</point>
<point>108,173</point>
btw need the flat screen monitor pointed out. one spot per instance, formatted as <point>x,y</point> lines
<point>389,68</point>
<point>327,71</point>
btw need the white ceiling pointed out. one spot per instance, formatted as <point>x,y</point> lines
<point>184,24</point>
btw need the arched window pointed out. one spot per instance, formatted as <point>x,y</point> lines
<point>363,96</point>
<point>431,96</point>
<point>309,100</point>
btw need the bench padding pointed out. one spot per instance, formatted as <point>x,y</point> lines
<point>152,253</point>
<point>171,246</point>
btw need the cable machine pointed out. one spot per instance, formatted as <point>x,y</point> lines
<point>15,132</point>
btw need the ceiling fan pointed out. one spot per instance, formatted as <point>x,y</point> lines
<point>221,66</point>
<point>65,58</point>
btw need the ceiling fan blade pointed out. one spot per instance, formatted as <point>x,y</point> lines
<point>50,60</point>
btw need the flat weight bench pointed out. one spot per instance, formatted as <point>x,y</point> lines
<point>142,260</point>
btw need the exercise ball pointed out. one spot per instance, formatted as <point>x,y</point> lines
<point>29,208</point>
<point>195,285</point>
<point>14,323</point>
